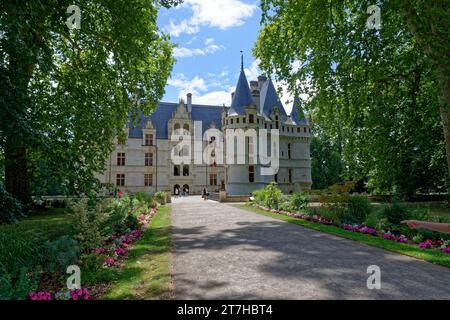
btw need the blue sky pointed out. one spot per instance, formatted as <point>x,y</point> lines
<point>210,35</point>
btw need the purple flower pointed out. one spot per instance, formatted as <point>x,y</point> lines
<point>425,245</point>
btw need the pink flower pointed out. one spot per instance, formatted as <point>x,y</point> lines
<point>40,296</point>
<point>110,262</point>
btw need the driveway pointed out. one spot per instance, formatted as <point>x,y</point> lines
<point>223,252</point>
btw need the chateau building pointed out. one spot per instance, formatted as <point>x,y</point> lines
<point>143,162</point>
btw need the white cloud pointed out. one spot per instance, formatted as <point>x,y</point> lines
<point>177,29</point>
<point>253,72</point>
<point>211,48</point>
<point>197,86</point>
<point>221,14</point>
<point>188,86</point>
<point>215,98</point>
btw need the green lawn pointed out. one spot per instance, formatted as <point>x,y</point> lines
<point>45,224</point>
<point>435,257</point>
<point>146,274</point>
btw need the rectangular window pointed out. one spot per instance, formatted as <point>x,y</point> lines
<point>250,151</point>
<point>213,179</point>
<point>149,159</point>
<point>290,175</point>
<point>251,174</point>
<point>148,180</point>
<point>244,120</point>
<point>120,158</point>
<point>231,121</point>
<point>289,151</point>
<point>149,140</point>
<point>120,180</point>
<point>237,120</point>
<point>176,171</point>
<point>298,130</point>
<point>251,118</point>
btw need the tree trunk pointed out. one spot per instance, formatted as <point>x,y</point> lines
<point>16,172</point>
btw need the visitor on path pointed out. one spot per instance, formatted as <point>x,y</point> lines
<point>177,192</point>
<point>204,194</point>
<point>433,226</point>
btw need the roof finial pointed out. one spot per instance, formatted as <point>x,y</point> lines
<point>242,60</point>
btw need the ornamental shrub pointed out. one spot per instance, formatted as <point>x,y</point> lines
<point>299,201</point>
<point>60,253</point>
<point>89,223</point>
<point>160,197</point>
<point>17,287</point>
<point>274,196</point>
<point>358,209</point>
<point>11,210</point>
<point>396,212</point>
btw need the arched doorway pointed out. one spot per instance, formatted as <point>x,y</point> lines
<point>175,187</point>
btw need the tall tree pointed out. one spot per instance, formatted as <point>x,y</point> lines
<point>64,91</point>
<point>379,91</point>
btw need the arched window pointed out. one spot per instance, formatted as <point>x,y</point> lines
<point>186,127</point>
<point>176,127</point>
<point>185,170</point>
<point>176,171</point>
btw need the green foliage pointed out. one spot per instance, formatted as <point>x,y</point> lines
<point>160,197</point>
<point>65,91</point>
<point>88,221</point>
<point>326,164</point>
<point>11,210</point>
<point>18,289</point>
<point>270,196</point>
<point>19,250</point>
<point>396,212</point>
<point>359,208</point>
<point>59,254</point>
<point>299,201</point>
<point>377,97</point>
<point>144,197</point>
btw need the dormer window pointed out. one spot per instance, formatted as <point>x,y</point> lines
<point>148,139</point>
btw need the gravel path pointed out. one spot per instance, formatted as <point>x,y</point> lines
<point>223,252</point>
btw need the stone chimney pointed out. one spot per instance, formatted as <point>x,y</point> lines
<point>261,80</point>
<point>189,102</point>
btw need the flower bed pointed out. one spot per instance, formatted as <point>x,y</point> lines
<point>115,251</point>
<point>444,246</point>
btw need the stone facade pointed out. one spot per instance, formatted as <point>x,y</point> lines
<point>143,162</point>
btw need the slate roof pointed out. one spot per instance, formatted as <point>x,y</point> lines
<point>164,112</point>
<point>269,99</point>
<point>299,119</point>
<point>242,96</point>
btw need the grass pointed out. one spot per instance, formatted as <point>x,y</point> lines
<point>45,224</point>
<point>432,256</point>
<point>434,209</point>
<point>146,274</point>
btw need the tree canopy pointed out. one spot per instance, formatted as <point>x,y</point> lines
<point>380,95</point>
<point>64,92</point>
